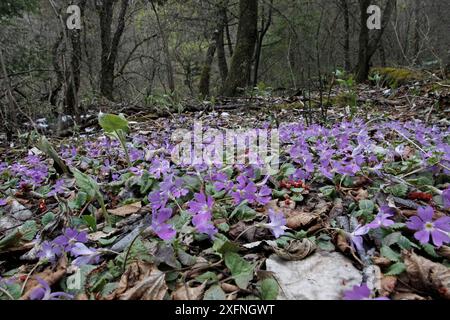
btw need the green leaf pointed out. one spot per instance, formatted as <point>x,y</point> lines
<point>430,250</point>
<point>396,269</point>
<point>390,254</point>
<point>45,146</point>
<point>328,191</point>
<point>86,183</point>
<point>79,201</point>
<point>90,222</point>
<point>11,239</point>
<point>214,293</point>
<point>28,230</point>
<point>222,246</point>
<point>47,218</point>
<point>367,205</point>
<point>241,270</point>
<point>111,122</point>
<point>245,213</point>
<point>297,198</point>
<point>207,276</point>
<point>269,289</point>
<point>398,190</point>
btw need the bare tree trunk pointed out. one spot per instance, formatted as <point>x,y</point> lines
<point>170,76</point>
<point>110,46</point>
<point>75,64</point>
<point>367,45</point>
<point>10,113</point>
<point>417,23</point>
<point>265,25</point>
<point>206,71</point>
<point>221,55</point>
<point>346,13</point>
<point>241,62</point>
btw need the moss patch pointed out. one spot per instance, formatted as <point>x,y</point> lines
<point>394,77</point>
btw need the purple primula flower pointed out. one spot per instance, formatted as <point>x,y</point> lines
<point>277,223</point>
<point>203,224</point>
<point>84,255</point>
<point>3,202</point>
<point>360,293</point>
<point>158,199</point>
<point>426,227</point>
<point>201,205</point>
<point>264,195</point>
<point>49,252</point>
<point>164,230</point>
<point>58,188</point>
<point>173,186</point>
<point>446,198</point>
<point>159,167</point>
<point>136,171</point>
<point>70,238</point>
<point>201,208</point>
<point>45,293</point>
<point>135,155</point>
<point>355,237</point>
<point>244,190</point>
<point>383,218</point>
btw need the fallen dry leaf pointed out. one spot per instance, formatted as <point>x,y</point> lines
<point>301,218</point>
<point>229,288</point>
<point>388,284</point>
<point>444,251</point>
<point>126,210</point>
<point>427,275</point>
<point>50,275</point>
<point>296,250</point>
<point>407,296</point>
<point>184,292</point>
<point>141,281</point>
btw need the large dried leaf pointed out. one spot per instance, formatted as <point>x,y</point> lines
<point>50,275</point>
<point>141,281</point>
<point>126,210</point>
<point>296,250</point>
<point>298,218</point>
<point>184,292</point>
<point>427,275</point>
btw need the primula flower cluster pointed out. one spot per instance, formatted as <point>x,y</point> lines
<point>426,227</point>
<point>71,242</point>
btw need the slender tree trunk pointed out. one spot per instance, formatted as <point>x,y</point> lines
<point>109,43</point>
<point>265,25</point>
<point>346,13</point>
<point>367,45</point>
<point>75,64</point>
<point>206,71</point>
<point>241,62</point>
<point>221,55</point>
<point>417,23</point>
<point>170,75</point>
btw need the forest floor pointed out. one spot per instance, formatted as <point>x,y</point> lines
<point>359,208</point>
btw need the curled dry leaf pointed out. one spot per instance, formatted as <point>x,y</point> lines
<point>444,251</point>
<point>381,261</point>
<point>310,213</point>
<point>50,275</point>
<point>184,292</point>
<point>407,296</point>
<point>388,284</point>
<point>141,281</point>
<point>229,288</point>
<point>427,275</point>
<point>126,210</point>
<point>296,250</point>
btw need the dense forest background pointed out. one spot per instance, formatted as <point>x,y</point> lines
<point>154,53</point>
